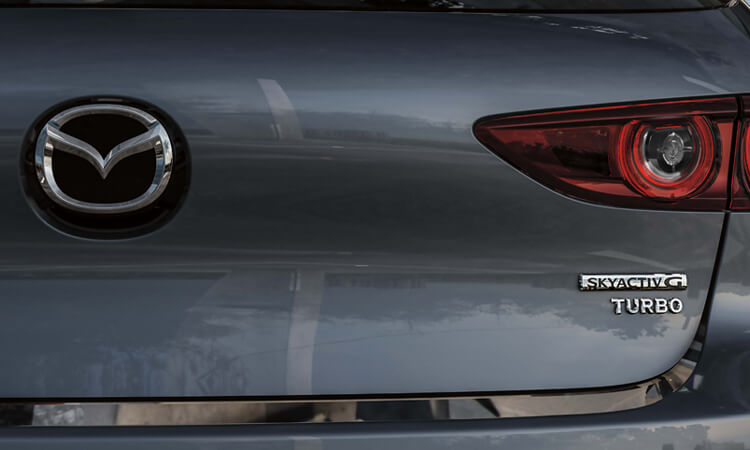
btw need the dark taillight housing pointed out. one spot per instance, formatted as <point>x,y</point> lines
<point>662,155</point>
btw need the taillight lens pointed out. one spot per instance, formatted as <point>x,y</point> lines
<point>741,180</point>
<point>664,155</point>
<point>667,160</point>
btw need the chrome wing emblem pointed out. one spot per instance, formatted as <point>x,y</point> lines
<point>67,143</point>
<point>52,139</point>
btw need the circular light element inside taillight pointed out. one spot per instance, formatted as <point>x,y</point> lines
<point>666,160</point>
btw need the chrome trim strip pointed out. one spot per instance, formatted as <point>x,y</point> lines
<point>338,409</point>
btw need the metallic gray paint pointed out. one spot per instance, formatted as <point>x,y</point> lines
<point>384,252</point>
<point>381,408</point>
<point>711,412</point>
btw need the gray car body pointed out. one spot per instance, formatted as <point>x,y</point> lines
<point>358,239</point>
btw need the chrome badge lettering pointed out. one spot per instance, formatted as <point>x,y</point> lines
<point>635,282</point>
<point>647,305</point>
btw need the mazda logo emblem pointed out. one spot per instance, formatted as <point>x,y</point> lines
<point>52,139</point>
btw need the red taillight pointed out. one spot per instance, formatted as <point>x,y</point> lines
<point>741,180</point>
<point>667,160</point>
<point>663,155</point>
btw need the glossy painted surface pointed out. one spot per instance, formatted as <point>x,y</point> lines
<point>723,374</point>
<point>363,241</point>
<point>711,412</point>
